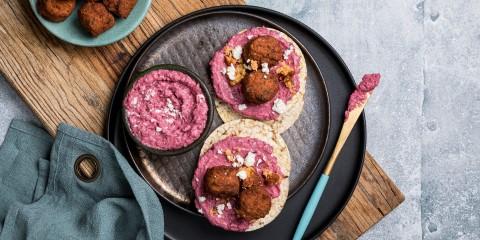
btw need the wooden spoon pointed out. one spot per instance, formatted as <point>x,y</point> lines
<point>355,108</point>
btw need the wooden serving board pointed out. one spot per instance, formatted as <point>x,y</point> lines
<point>65,83</point>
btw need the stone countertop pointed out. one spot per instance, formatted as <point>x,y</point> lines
<point>424,119</point>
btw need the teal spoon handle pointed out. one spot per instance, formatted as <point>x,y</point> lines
<point>311,206</point>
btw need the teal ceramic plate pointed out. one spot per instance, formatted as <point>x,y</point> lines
<point>70,30</point>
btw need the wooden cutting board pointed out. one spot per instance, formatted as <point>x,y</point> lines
<point>65,83</point>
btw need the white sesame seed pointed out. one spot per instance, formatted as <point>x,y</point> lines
<point>242,107</point>
<point>287,52</point>
<point>231,72</point>
<point>265,68</point>
<point>220,208</point>
<point>279,106</point>
<point>237,52</point>
<point>242,175</point>
<point>250,159</point>
<point>239,159</point>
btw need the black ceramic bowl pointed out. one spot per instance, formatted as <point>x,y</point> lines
<point>208,99</point>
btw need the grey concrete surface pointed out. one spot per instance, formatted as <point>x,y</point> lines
<point>11,106</point>
<point>451,120</point>
<point>423,121</point>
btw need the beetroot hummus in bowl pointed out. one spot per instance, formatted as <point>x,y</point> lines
<point>167,110</point>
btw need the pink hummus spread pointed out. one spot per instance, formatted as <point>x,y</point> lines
<point>215,156</point>
<point>366,86</point>
<point>166,110</point>
<point>233,95</point>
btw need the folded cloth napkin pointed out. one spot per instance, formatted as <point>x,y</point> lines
<point>43,197</point>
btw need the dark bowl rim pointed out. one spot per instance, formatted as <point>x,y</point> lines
<point>206,92</point>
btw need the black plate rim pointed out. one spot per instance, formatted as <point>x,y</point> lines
<point>108,130</point>
<point>198,14</point>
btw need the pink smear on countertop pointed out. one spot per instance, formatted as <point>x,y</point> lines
<point>359,96</point>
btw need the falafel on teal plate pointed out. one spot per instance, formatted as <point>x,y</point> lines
<point>70,29</point>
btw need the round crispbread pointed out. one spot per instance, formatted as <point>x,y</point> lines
<point>263,132</point>
<point>294,105</point>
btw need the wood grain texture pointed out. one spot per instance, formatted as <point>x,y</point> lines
<point>65,83</point>
<point>375,196</point>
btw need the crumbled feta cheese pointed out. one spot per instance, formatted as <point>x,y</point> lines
<point>202,199</point>
<point>265,68</point>
<point>220,208</point>
<point>235,164</point>
<point>250,159</point>
<point>248,67</point>
<point>242,107</point>
<point>237,52</point>
<point>134,102</point>
<point>242,174</point>
<point>200,210</point>
<point>224,71</point>
<point>265,76</point>
<point>170,104</point>
<point>229,205</point>
<point>287,52</point>
<point>249,37</point>
<point>231,72</point>
<point>196,179</point>
<point>158,129</point>
<point>248,60</point>
<point>239,160</point>
<point>170,110</point>
<point>150,93</point>
<point>219,151</point>
<point>279,106</point>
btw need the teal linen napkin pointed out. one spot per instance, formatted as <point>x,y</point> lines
<point>41,197</point>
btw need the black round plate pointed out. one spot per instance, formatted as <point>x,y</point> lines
<point>340,84</point>
<point>202,35</point>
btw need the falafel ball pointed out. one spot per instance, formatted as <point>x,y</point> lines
<point>121,8</point>
<point>95,18</point>
<point>271,178</point>
<point>264,49</point>
<point>253,178</point>
<point>56,10</point>
<point>254,203</point>
<point>222,182</point>
<point>259,88</point>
